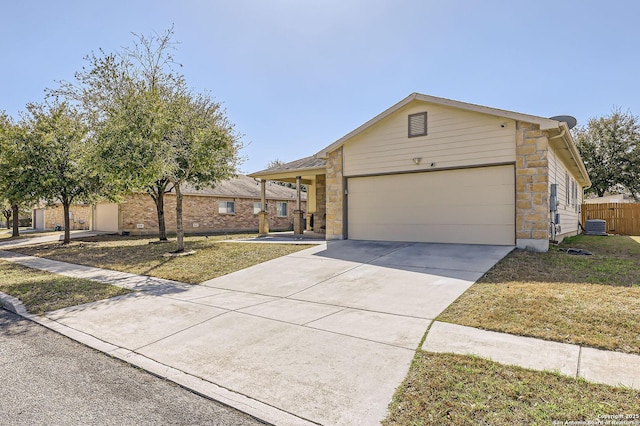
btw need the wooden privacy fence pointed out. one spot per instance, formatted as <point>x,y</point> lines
<point>622,218</point>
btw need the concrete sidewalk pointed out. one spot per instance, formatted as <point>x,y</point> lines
<point>594,365</point>
<point>47,238</point>
<point>324,335</point>
<point>120,279</point>
<point>321,336</point>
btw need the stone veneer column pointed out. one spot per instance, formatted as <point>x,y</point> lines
<point>319,216</point>
<point>532,187</point>
<point>335,196</point>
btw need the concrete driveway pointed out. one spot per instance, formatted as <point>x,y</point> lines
<point>325,334</point>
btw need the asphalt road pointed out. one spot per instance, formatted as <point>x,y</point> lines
<point>48,379</point>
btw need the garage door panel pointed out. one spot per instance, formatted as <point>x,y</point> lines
<point>475,206</point>
<point>457,234</point>
<point>486,215</point>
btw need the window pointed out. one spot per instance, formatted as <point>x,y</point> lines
<point>226,207</point>
<point>418,124</point>
<point>257,207</point>
<point>567,188</point>
<point>282,209</point>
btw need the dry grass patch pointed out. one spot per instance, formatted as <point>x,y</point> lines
<point>586,300</point>
<point>462,390</point>
<point>42,291</point>
<point>213,258</point>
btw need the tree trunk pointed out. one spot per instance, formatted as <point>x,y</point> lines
<point>162,227</point>
<point>157,194</point>
<point>7,215</point>
<point>179,227</point>
<point>16,220</point>
<point>67,231</point>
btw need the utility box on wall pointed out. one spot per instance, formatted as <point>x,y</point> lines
<point>553,199</point>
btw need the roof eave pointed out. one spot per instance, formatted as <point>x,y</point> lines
<point>272,175</point>
<point>564,133</point>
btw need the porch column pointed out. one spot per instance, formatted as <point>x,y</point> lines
<point>263,216</point>
<point>298,221</point>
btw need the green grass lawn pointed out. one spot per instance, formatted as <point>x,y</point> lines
<point>213,258</point>
<point>42,291</point>
<point>585,300</point>
<point>447,389</point>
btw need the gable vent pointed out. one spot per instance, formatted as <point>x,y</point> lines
<point>417,124</point>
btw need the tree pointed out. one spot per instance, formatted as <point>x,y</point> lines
<point>19,170</point>
<point>203,148</point>
<point>151,132</point>
<point>610,149</point>
<point>58,140</point>
<point>125,98</point>
<point>7,212</point>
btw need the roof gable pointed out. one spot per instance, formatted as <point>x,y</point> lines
<point>544,123</point>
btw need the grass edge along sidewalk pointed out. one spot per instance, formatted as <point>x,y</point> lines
<point>41,291</point>
<point>212,258</point>
<point>584,300</point>
<point>467,390</point>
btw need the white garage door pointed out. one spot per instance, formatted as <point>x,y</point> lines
<point>469,206</point>
<point>39,219</point>
<point>106,217</point>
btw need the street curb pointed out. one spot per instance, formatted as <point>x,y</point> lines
<point>259,410</point>
<point>13,304</point>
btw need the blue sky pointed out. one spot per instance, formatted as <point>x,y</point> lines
<point>296,75</point>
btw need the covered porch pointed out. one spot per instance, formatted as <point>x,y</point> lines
<point>309,171</point>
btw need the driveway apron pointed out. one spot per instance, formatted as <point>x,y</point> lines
<point>326,334</point>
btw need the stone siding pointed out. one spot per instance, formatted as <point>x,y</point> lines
<point>532,187</point>
<point>320,215</point>
<point>200,215</point>
<point>80,219</point>
<point>335,196</point>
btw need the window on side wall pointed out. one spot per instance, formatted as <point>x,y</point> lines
<point>257,207</point>
<point>282,209</point>
<point>567,187</point>
<point>226,207</point>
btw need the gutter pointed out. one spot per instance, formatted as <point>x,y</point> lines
<point>573,150</point>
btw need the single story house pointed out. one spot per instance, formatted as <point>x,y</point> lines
<point>436,170</point>
<point>231,206</point>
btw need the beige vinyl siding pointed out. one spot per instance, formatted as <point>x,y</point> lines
<point>569,212</point>
<point>455,138</point>
<point>469,206</point>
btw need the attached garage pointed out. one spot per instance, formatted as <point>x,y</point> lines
<point>38,219</point>
<point>472,206</point>
<point>430,169</point>
<point>106,217</point>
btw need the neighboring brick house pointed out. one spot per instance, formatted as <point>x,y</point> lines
<point>231,206</point>
<point>436,170</point>
<point>51,217</point>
